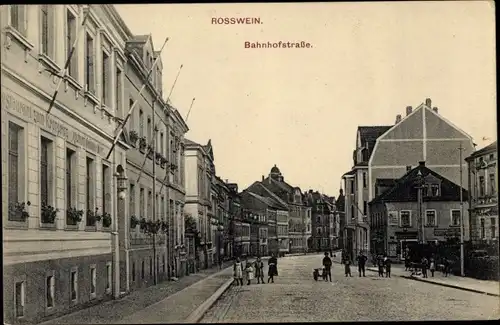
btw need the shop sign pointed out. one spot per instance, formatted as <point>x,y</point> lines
<point>49,123</point>
<point>446,232</point>
<point>406,235</point>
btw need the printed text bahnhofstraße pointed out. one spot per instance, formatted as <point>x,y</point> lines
<point>280,44</point>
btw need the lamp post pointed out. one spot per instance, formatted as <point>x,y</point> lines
<point>121,186</point>
<point>255,217</point>
<point>419,201</point>
<point>404,252</point>
<point>220,229</point>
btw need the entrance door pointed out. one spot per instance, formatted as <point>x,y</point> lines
<point>407,246</point>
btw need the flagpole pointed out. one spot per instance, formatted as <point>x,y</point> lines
<point>462,266</point>
<point>154,199</point>
<point>189,111</point>
<point>68,60</point>
<point>146,82</point>
<point>156,128</point>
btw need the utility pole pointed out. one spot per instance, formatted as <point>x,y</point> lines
<point>419,204</point>
<point>462,266</point>
<point>153,132</point>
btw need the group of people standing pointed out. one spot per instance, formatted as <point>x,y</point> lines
<point>360,259</point>
<point>427,264</point>
<point>254,269</point>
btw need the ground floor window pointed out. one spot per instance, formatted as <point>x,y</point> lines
<point>50,291</point>
<point>108,276</point>
<point>74,285</point>
<point>142,270</point>
<point>133,271</point>
<point>93,281</point>
<point>19,298</point>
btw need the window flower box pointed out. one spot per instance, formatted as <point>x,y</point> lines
<point>158,158</point>
<point>150,152</point>
<point>143,144</point>
<point>92,217</point>
<point>48,214</point>
<point>134,136</point>
<point>17,211</point>
<point>163,162</point>
<point>133,222</point>
<point>73,216</point>
<point>106,220</point>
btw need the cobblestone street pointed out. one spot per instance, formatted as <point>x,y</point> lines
<point>295,297</point>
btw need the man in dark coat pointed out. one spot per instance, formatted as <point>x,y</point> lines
<point>272,268</point>
<point>327,263</point>
<point>361,259</point>
<point>387,264</point>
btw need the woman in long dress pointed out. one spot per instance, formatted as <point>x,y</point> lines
<point>273,269</point>
<point>250,272</point>
<point>238,272</point>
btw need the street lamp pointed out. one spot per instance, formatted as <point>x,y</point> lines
<point>404,252</point>
<point>220,229</point>
<point>255,217</point>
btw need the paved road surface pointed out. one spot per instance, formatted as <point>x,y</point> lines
<point>296,297</point>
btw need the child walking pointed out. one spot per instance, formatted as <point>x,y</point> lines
<point>249,271</point>
<point>347,267</point>
<point>432,267</point>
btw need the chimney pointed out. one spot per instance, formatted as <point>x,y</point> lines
<point>408,110</point>
<point>398,118</point>
<point>428,102</point>
<point>435,109</point>
<point>408,168</point>
<point>262,177</point>
<point>227,181</point>
<point>421,163</point>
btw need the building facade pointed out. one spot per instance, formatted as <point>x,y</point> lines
<point>389,151</point>
<point>483,194</point>
<point>420,207</point>
<point>323,221</point>
<point>60,196</point>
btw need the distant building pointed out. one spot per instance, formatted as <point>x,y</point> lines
<point>322,221</point>
<point>483,194</point>
<point>397,217</point>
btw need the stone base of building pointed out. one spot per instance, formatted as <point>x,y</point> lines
<point>142,266</point>
<point>35,288</point>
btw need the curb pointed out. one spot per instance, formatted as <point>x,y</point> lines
<point>199,312</point>
<point>450,286</point>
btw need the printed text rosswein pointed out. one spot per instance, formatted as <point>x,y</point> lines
<point>280,44</point>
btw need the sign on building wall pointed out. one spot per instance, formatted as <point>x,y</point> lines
<point>393,218</point>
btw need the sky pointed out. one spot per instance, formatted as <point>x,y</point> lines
<point>300,108</point>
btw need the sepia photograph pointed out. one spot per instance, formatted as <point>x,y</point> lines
<point>249,162</point>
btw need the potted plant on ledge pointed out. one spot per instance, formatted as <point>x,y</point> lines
<point>106,220</point>
<point>150,152</point>
<point>142,144</point>
<point>49,213</point>
<point>163,162</point>
<point>134,136</point>
<point>133,222</point>
<point>73,216</point>
<point>158,157</point>
<point>17,211</point>
<point>92,217</point>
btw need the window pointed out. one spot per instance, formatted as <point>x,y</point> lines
<point>70,39</point>
<point>483,230</point>
<point>493,228</point>
<point>318,219</point>
<point>430,218</point>
<point>132,200</point>
<point>45,172</point>
<point>142,270</point>
<point>455,217</point>
<point>405,218</point>
<point>50,291</point>
<point>492,157</point>
<point>74,285</point>
<point>18,18</point>
<point>133,271</point>
<point>492,184</point>
<point>318,231</point>
<point>89,64</point>
<point>14,168</point>
<point>163,263</point>
<point>365,208</point>
<point>150,205</point>
<point>108,277</point>
<point>481,186</point>
<point>20,294</point>
<point>70,156</point>
<point>364,180</point>
<point>161,143</point>
<point>141,123</point>
<point>149,130</point>
<point>150,266</point>
<point>105,186</point>
<point>93,281</point>
<point>352,186</point>
<point>106,82</point>
<point>90,190</point>
<point>433,190</point>
<point>47,30</point>
<point>118,95</point>
<point>141,202</point>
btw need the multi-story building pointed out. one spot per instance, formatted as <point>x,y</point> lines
<point>222,217</point>
<point>199,172</point>
<point>483,194</point>
<point>323,221</point>
<point>60,198</point>
<point>387,152</point>
<point>299,212</point>
<point>235,245</point>
<point>422,206</point>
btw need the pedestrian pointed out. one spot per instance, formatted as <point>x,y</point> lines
<point>380,263</point>
<point>347,267</point>
<point>432,267</point>
<point>259,270</point>
<point>446,267</point>
<point>249,272</point>
<point>327,263</point>
<point>387,264</point>
<point>361,259</point>
<point>424,267</point>
<point>272,268</point>
<point>238,271</point>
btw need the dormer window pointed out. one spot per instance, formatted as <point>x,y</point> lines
<point>433,190</point>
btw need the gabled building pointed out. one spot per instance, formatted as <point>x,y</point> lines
<point>483,194</point>
<point>322,221</point>
<point>389,151</point>
<point>422,206</point>
<point>258,209</point>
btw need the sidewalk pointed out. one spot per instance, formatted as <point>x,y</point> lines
<point>114,311</point>
<point>487,287</point>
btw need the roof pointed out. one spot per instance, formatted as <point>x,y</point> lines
<point>190,142</point>
<point>271,195</point>
<point>140,38</point>
<point>351,172</point>
<point>404,189</point>
<point>369,135</point>
<point>275,169</point>
<point>385,182</point>
<point>489,148</point>
<point>270,202</point>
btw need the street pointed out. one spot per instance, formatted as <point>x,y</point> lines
<point>296,297</point>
